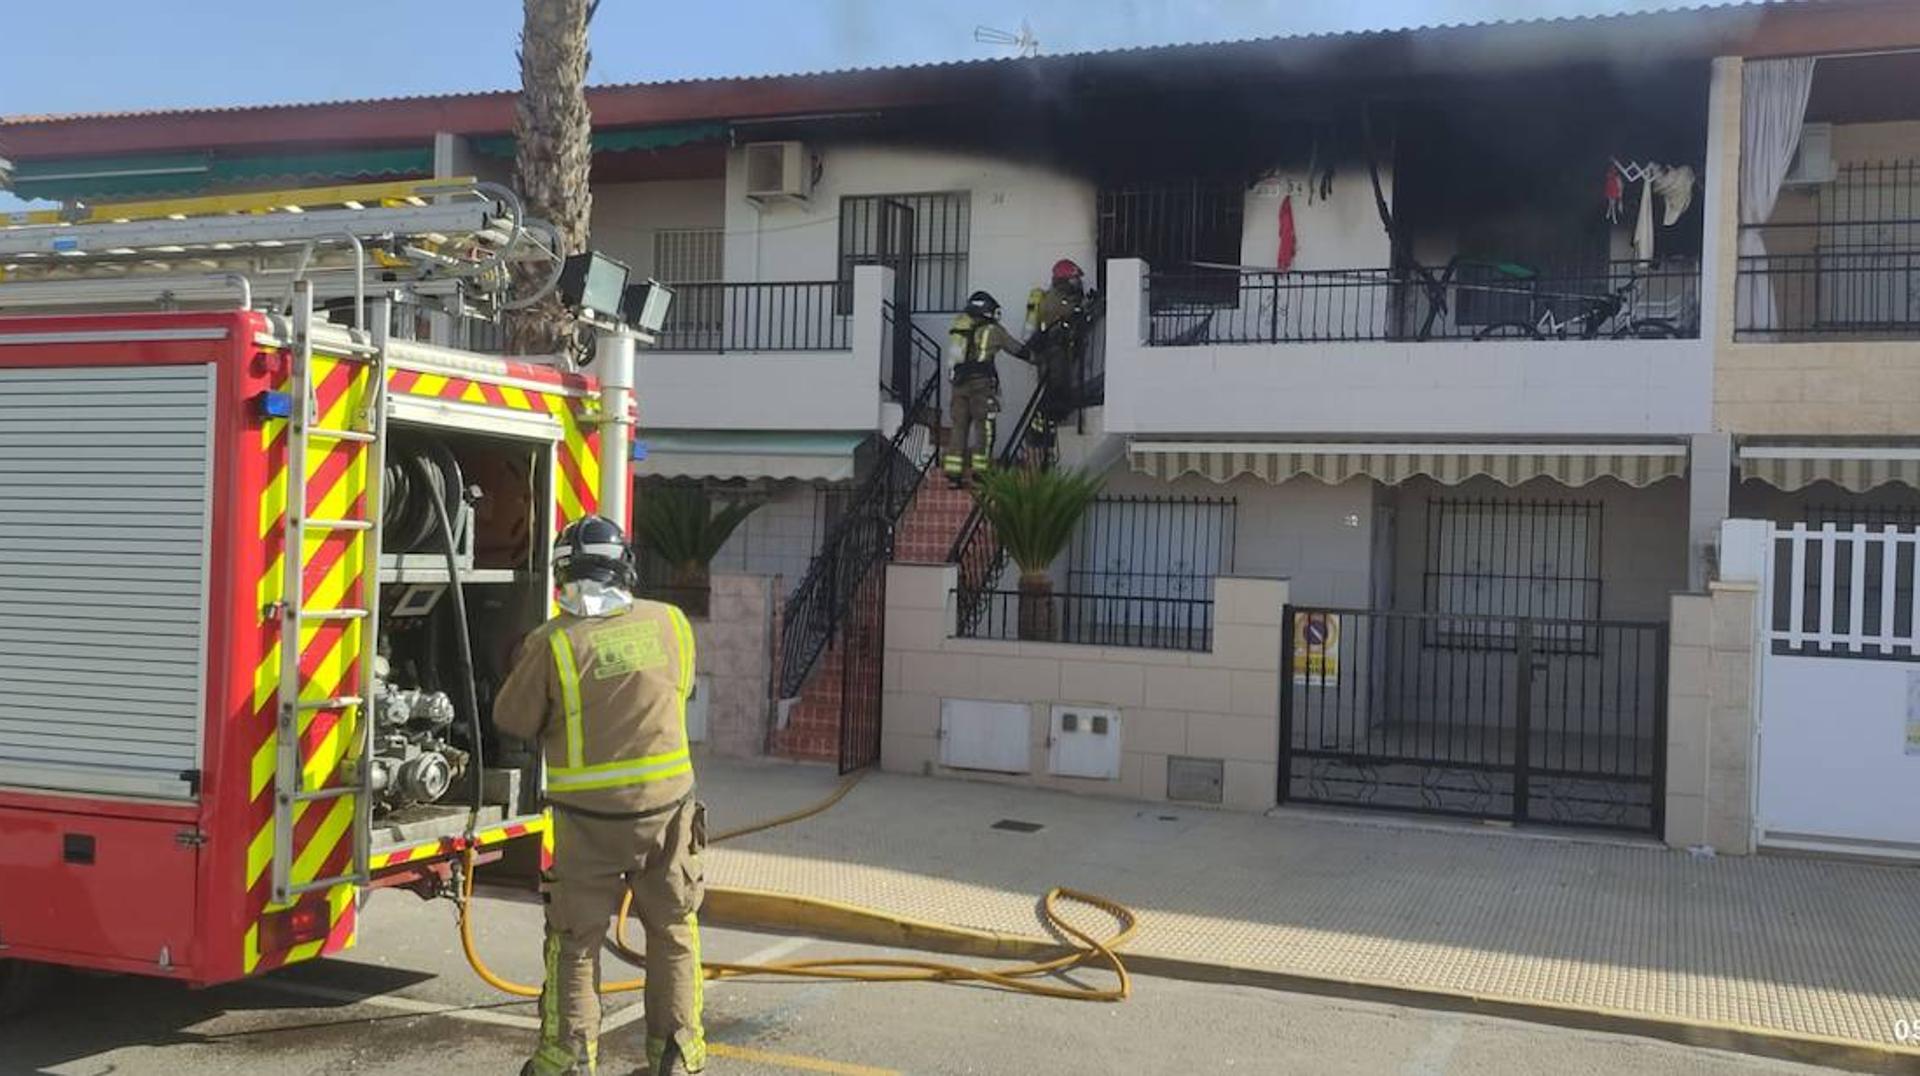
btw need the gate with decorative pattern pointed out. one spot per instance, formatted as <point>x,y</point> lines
<point>1529,719</point>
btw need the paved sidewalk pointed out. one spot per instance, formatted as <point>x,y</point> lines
<point>1801,946</point>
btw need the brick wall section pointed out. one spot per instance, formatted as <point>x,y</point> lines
<point>1710,703</point>
<point>927,529</point>
<point>733,647</point>
<point>1221,704</point>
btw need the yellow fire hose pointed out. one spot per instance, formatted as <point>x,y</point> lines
<point>1086,949</point>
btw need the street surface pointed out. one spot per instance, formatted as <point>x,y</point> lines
<point>405,1002</point>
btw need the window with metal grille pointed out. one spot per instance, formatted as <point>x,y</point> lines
<point>687,255</point>
<point>942,222</point>
<point>1507,559</point>
<point>689,260</point>
<point>1173,226</point>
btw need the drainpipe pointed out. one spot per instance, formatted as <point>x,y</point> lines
<point>613,364</point>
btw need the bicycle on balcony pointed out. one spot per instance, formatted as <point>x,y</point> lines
<point>1594,317</point>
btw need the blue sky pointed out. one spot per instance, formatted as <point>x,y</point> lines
<point>128,54</point>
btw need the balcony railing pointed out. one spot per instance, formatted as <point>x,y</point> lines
<point>784,316</point>
<point>1151,623</point>
<point>1846,263</point>
<point>1463,300</point>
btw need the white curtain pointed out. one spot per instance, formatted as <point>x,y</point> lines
<point>1773,95</point>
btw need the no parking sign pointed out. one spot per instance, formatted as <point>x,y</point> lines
<point>1316,649</point>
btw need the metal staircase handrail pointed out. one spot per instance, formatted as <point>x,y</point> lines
<point>813,614</point>
<point>978,553</point>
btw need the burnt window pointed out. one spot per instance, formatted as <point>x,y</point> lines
<point>1179,229</point>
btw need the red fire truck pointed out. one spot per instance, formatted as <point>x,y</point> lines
<point>265,551</point>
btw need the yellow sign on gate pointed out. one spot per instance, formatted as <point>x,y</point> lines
<point>1316,649</point>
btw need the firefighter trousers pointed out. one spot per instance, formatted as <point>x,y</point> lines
<point>595,860</point>
<point>970,424</point>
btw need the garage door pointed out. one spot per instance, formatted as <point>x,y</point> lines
<point>105,476</point>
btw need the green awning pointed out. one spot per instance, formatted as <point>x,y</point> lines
<point>619,140</point>
<point>164,175</point>
<point>824,456</point>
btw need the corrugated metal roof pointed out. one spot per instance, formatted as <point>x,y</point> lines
<point>1045,60</point>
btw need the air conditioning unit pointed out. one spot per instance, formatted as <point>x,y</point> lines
<point>778,171</point>
<point>1813,158</point>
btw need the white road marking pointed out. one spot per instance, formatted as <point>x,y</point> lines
<point>404,1004</point>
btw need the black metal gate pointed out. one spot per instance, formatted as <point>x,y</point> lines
<point>862,648</point>
<point>1536,720</point>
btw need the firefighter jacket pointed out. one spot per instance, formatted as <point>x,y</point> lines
<point>972,344</point>
<point>606,699</point>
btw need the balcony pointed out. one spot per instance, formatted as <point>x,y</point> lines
<point>1469,349</point>
<point>799,355</point>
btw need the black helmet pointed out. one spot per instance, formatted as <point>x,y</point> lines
<point>983,305</point>
<point>593,548</point>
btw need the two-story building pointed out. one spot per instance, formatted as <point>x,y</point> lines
<point>1473,334</point>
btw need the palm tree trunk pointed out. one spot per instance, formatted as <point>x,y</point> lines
<point>1036,607</point>
<point>553,138</point>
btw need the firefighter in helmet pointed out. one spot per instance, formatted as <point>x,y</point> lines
<point>1057,321</point>
<point>603,689</point>
<point>973,341</point>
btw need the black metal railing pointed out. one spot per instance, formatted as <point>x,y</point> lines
<point>976,551</point>
<point>1840,258</point>
<point>1464,300</point>
<point>1150,623</point>
<point>785,316</point>
<point>862,537</point>
<point>1471,715</point>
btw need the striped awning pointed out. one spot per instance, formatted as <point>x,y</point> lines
<point>823,456</point>
<point>1449,464</point>
<point>1856,468</point>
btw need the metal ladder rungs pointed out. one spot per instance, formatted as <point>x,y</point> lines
<point>337,524</point>
<point>361,437</point>
<point>318,884</point>
<point>338,702</point>
<point>331,614</point>
<point>319,795</point>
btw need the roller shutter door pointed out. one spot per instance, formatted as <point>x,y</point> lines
<point>105,487</point>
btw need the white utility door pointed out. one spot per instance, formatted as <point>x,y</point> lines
<point>1839,718</point>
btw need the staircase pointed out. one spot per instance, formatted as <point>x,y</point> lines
<point>812,660</point>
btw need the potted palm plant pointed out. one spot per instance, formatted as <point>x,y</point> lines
<point>681,528</point>
<point>1033,514</point>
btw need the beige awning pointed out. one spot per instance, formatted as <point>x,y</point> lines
<point>751,454</point>
<point>1392,463</point>
<point>1857,468</point>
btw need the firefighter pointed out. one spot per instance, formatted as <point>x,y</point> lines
<point>603,688</point>
<point>973,341</point>
<point>1057,319</point>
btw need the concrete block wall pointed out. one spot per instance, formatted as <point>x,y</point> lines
<point>733,647</point>
<point>1710,719</point>
<point>1222,704</point>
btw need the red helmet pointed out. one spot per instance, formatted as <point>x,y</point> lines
<point>1066,269</point>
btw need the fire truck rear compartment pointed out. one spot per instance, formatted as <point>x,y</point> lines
<point>423,752</point>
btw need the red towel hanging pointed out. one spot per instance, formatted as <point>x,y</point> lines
<point>1289,242</point>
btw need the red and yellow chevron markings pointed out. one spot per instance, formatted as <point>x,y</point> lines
<point>332,573</point>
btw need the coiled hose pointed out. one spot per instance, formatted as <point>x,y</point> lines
<point>1085,950</point>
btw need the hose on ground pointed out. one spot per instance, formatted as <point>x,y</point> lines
<point>1086,949</point>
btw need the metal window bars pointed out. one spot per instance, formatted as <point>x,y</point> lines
<point>942,224</point>
<point>1850,267</point>
<point>1513,559</point>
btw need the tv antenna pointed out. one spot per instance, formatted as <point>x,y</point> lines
<point>1024,41</point>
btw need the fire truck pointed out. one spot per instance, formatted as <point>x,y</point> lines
<point>269,535</point>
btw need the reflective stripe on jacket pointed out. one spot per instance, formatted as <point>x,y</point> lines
<point>606,697</point>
